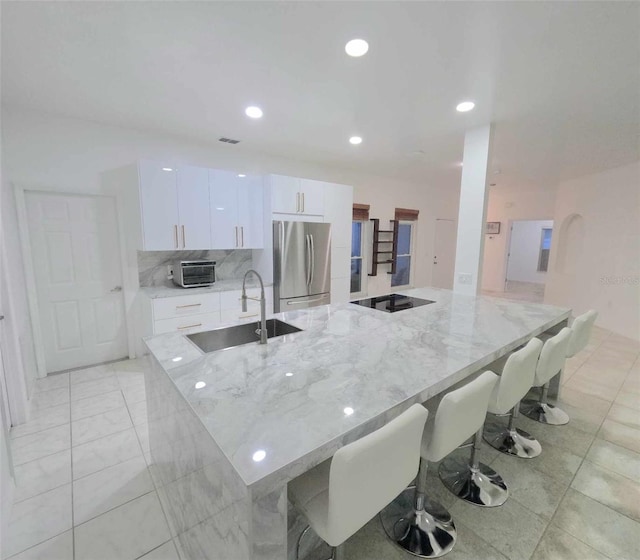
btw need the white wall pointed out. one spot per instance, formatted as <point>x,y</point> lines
<point>52,152</point>
<point>595,262</point>
<point>524,251</point>
<point>507,205</point>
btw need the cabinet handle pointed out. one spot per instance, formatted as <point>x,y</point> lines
<point>175,235</point>
<point>297,202</point>
<point>241,236</point>
<point>303,202</point>
<point>184,239</point>
<point>236,228</point>
<point>190,305</point>
<point>190,326</point>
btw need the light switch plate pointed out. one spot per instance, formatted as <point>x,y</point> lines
<point>465,278</point>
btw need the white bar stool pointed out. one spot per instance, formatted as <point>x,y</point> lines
<point>516,380</point>
<point>581,332</point>
<point>339,496</point>
<point>552,358</point>
<point>428,530</point>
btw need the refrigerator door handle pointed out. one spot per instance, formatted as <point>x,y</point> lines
<point>308,257</point>
<point>313,259</point>
<point>306,301</point>
<point>281,235</point>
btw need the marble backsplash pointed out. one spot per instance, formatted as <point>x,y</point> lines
<point>152,265</point>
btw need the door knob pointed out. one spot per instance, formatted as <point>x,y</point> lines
<point>117,289</point>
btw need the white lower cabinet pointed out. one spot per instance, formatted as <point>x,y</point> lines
<point>182,306</point>
<point>340,290</point>
<point>201,312</point>
<point>186,314</point>
<point>188,324</point>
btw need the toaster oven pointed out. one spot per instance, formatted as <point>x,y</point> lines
<point>194,274</point>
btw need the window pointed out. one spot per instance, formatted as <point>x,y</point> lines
<point>357,229</point>
<point>545,247</point>
<point>402,277</point>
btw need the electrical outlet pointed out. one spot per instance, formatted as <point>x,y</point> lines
<point>169,272</point>
<point>465,278</point>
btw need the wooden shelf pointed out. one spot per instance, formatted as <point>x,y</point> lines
<point>377,242</point>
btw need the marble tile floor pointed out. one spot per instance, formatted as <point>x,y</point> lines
<point>84,489</point>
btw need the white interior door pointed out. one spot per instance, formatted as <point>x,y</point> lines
<point>444,254</point>
<point>76,260</point>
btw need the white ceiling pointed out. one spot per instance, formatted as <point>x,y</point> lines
<point>560,80</point>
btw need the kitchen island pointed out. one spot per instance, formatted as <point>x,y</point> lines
<point>229,429</point>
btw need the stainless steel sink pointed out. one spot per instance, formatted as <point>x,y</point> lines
<point>219,339</point>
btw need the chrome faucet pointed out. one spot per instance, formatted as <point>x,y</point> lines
<point>262,331</point>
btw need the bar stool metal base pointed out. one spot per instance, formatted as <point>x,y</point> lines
<point>428,533</point>
<point>511,442</point>
<point>544,413</point>
<point>481,486</point>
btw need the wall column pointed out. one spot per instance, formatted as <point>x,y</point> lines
<point>474,195</point>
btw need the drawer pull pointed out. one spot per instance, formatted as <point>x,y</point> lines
<point>190,326</point>
<point>190,305</point>
<point>246,316</point>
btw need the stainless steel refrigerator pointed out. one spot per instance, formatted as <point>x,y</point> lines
<point>301,265</point>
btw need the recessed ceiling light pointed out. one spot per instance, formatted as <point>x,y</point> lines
<point>348,411</point>
<point>259,455</point>
<point>465,106</point>
<point>253,112</point>
<point>355,140</point>
<point>241,175</point>
<point>200,385</point>
<point>176,359</point>
<point>356,47</point>
<point>167,169</point>
<point>288,374</point>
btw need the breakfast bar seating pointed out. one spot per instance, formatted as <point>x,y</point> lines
<point>339,496</point>
<point>550,363</point>
<point>428,530</point>
<point>236,427</point>
<point>515,381</point>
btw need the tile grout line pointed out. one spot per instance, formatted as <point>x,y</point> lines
<point>153,481</point>
<point>583,459</point>
<point>114,508</point>
<point>156,548</point>
<point>553,516</point>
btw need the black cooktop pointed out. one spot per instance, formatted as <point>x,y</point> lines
<point>393,302</point>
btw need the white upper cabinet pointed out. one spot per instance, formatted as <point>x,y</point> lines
<point>159,202</point>
<point>251,211</point>
<point>193,208</point>
<point>236,210</point>
<point>224,209</point>
<point>312,193</point>
<point>291,195</point>
<point>174,207</point>
<point>338,211</point>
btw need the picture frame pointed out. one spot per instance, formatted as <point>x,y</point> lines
<point>492,228</point>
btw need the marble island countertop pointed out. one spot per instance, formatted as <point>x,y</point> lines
<point>277,409</point>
